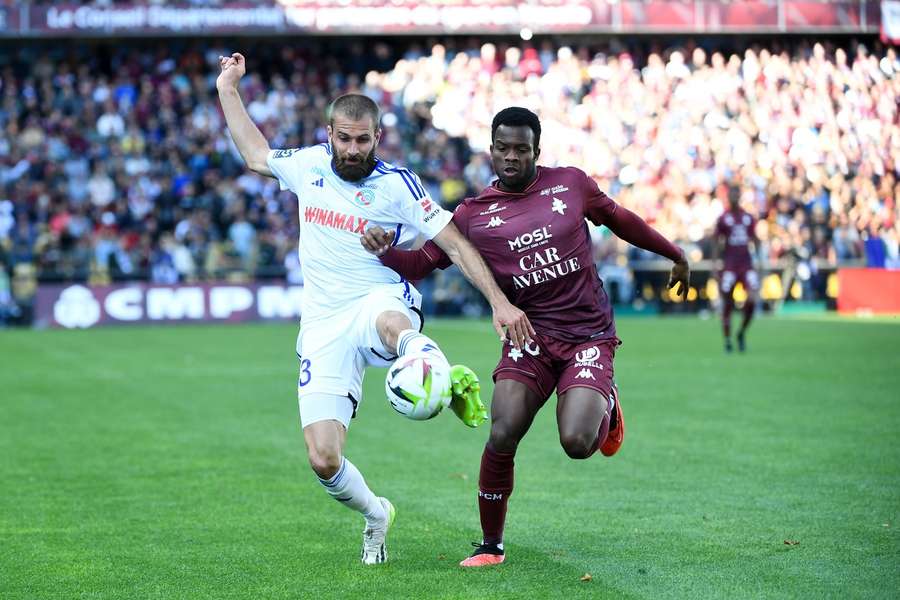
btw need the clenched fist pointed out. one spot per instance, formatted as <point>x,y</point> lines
<point>233,68</point>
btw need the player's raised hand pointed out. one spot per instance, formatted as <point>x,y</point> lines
<point>376,240</point>
<point>233,68</point>
<point>680,276</point>
<point>518,328</point>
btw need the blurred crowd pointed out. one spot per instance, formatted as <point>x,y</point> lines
<point>115,162</point>
<point>810,135</point>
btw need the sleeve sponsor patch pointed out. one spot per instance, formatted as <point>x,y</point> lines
<point>286,153</point>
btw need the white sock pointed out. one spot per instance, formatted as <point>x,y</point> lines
<point>349,488</point>
<point>410,341</point>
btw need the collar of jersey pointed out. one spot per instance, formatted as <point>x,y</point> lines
<point>494,187</point>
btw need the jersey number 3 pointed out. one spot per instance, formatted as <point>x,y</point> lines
<point>305,375</point>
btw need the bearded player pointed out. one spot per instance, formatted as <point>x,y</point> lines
<point>735,231</point>
<point>356,312</point>
<point>530,227</point>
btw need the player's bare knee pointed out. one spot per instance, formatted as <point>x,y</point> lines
<point>578,444</point>
<point>325,462</point>
<point>389,324</point>
<point>503,438</point>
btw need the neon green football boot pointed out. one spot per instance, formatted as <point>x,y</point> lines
<point>466,402</point>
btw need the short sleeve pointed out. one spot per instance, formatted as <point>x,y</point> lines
<point>415,208</point>
<point>598,207</point>
<point>287,166</point>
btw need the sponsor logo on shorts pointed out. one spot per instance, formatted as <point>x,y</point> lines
<point>585,374</point>
<point>588,358</point>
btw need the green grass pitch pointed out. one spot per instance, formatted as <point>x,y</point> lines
<point>169,463</point>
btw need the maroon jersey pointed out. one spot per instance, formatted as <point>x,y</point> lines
<point>538,247</point>
<point>737,228</point>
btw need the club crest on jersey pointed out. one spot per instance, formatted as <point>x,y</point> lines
<point>364,197</point>
<point>559,206</point>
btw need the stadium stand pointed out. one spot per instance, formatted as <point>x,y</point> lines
<point>115,163</point>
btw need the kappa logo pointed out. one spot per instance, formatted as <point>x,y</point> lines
<point>320,182</point>
<point>585,374</point>
<point>559,206</point>
<point>495,222</point>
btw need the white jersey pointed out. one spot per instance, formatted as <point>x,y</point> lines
<point>334,214</point>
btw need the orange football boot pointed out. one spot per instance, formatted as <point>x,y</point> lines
<point>613,440</point>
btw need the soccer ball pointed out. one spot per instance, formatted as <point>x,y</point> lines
<point>418,386</point>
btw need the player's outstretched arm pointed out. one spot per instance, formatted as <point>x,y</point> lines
<point>635,231</point>
<point>247,137</point>
<point>415,264</point>
<point>463,254</point>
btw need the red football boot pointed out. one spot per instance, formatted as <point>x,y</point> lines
<point>485,555</point>
<point>613,440</point>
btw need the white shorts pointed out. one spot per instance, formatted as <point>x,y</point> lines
<point>334,352</point>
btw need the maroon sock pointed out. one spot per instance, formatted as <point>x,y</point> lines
<point>602,433</point>
<point>726,318</point>
<point>748,315</point>
<point>495,484</point>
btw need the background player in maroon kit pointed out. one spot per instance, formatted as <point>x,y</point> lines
<point>735,230</point>
<point>530,228</point>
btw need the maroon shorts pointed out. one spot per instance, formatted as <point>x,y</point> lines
<point>547,363</point>
<point>748,278</point>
